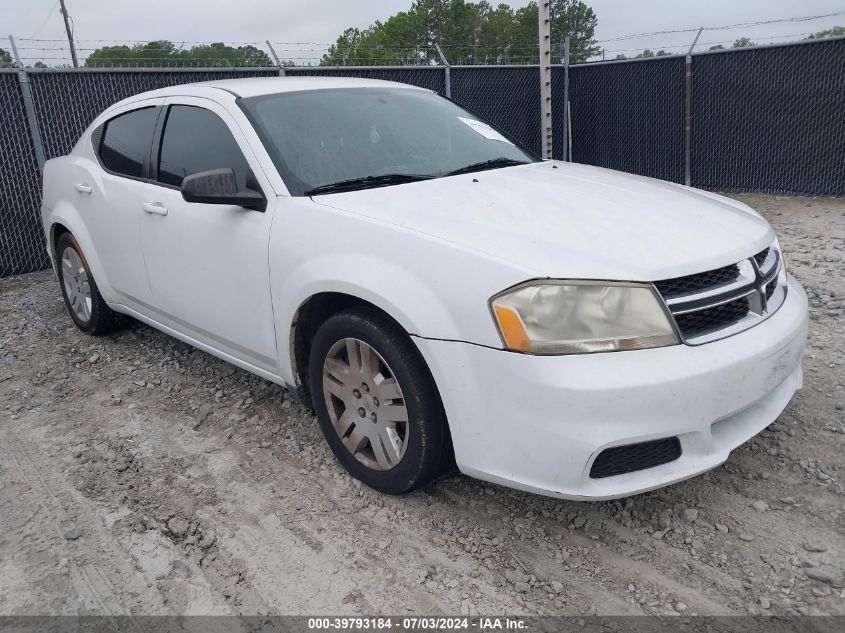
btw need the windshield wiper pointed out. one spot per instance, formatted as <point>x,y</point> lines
<point>367,182</point>
<point>493,163</point>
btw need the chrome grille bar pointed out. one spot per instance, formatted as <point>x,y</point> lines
<point>712,312</point>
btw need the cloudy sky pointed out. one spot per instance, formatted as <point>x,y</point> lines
<point>321,22</point>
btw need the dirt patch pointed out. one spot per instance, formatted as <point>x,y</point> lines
<point>141,476</point>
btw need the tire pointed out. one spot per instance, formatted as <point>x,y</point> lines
<point>82,298</point>
<point>383,381</point>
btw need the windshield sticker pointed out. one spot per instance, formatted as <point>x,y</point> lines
<point>485,130</point>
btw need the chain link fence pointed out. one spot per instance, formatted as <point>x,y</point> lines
<point>768,119</point>
<point>21,237</point>
<point>627,116</point>
<point>507,96</point>
<point>67,102</point>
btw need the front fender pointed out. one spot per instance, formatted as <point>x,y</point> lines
<point>432,288</point>
<point>396,295</point>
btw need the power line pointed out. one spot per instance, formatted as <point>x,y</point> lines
<point>686,46</point>
<point>47,19</point>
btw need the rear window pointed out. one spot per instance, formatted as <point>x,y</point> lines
<point>126,140</point>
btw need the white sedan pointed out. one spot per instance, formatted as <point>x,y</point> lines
<point>431,288</point>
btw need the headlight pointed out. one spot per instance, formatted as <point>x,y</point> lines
<point>577,317</point>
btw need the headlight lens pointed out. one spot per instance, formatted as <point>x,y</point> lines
<point>577,317</point>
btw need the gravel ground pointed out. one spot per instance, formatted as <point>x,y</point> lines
<point>141,476</point>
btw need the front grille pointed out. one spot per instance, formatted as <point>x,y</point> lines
<point>633,457</point>
<point>709,320</point>
<point>718,303</point>
<point>699,282</point>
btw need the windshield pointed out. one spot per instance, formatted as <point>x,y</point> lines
<point>322,137</point>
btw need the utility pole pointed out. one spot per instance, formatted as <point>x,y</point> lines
<point>69,34</point>
<point>545,39</point>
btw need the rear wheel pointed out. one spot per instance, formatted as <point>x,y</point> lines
<point>82,297</point>
<point>377,403</point>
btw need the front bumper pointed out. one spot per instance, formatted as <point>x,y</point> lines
<point>537,422</point>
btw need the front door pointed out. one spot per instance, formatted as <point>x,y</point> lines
<point>208,264</point>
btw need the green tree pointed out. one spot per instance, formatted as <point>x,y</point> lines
<point>468,32</point>
<point>164,53</point>
<point>836,31</point>
<point>743,42</point>
<point>158,53</point>
<point>578,21</point>
<point>5,58</point>
<point>498,31</point>
<point>650,53</point>
<point>219,54</point>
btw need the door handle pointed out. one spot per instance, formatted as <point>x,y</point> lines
<point>81,187</point>
<point>154,207</point>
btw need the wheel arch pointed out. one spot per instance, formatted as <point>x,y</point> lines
<point>57,229</point>
<point>309,316</point>
<point>313,312</point>
<point>66,219</point>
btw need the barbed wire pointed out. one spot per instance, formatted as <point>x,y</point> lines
<point>739,25</point>
<point>686,46</point>
<point>33,49</point>
<point>444,46</point>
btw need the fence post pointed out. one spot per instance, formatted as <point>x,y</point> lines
<point>447,71</point>
<point>688,112</point>
<point>276,57</point>
<point>566,136</point>
<point>29,108</point>
<point>15,52</point>
<point>545,61</point>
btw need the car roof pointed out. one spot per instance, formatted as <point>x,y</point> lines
<point>255,86</point>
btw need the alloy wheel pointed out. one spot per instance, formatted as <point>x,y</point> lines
<point>77,288</point>
<point>365,404</point>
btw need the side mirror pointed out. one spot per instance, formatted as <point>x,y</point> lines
<point>219,186</point>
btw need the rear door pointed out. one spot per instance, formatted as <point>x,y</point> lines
<point>208,264</point>
<point>107,194</point>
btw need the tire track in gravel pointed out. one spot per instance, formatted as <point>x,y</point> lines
<point>257,517</point>
<point>87,577</point>
<point>625,568</point>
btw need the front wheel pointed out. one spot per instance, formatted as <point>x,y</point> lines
<point>377,403</point>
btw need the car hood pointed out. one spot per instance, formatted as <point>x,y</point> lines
<point>560,219</point>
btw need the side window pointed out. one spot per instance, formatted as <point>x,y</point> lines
<point>196,140</point>
<point>126,140</point>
